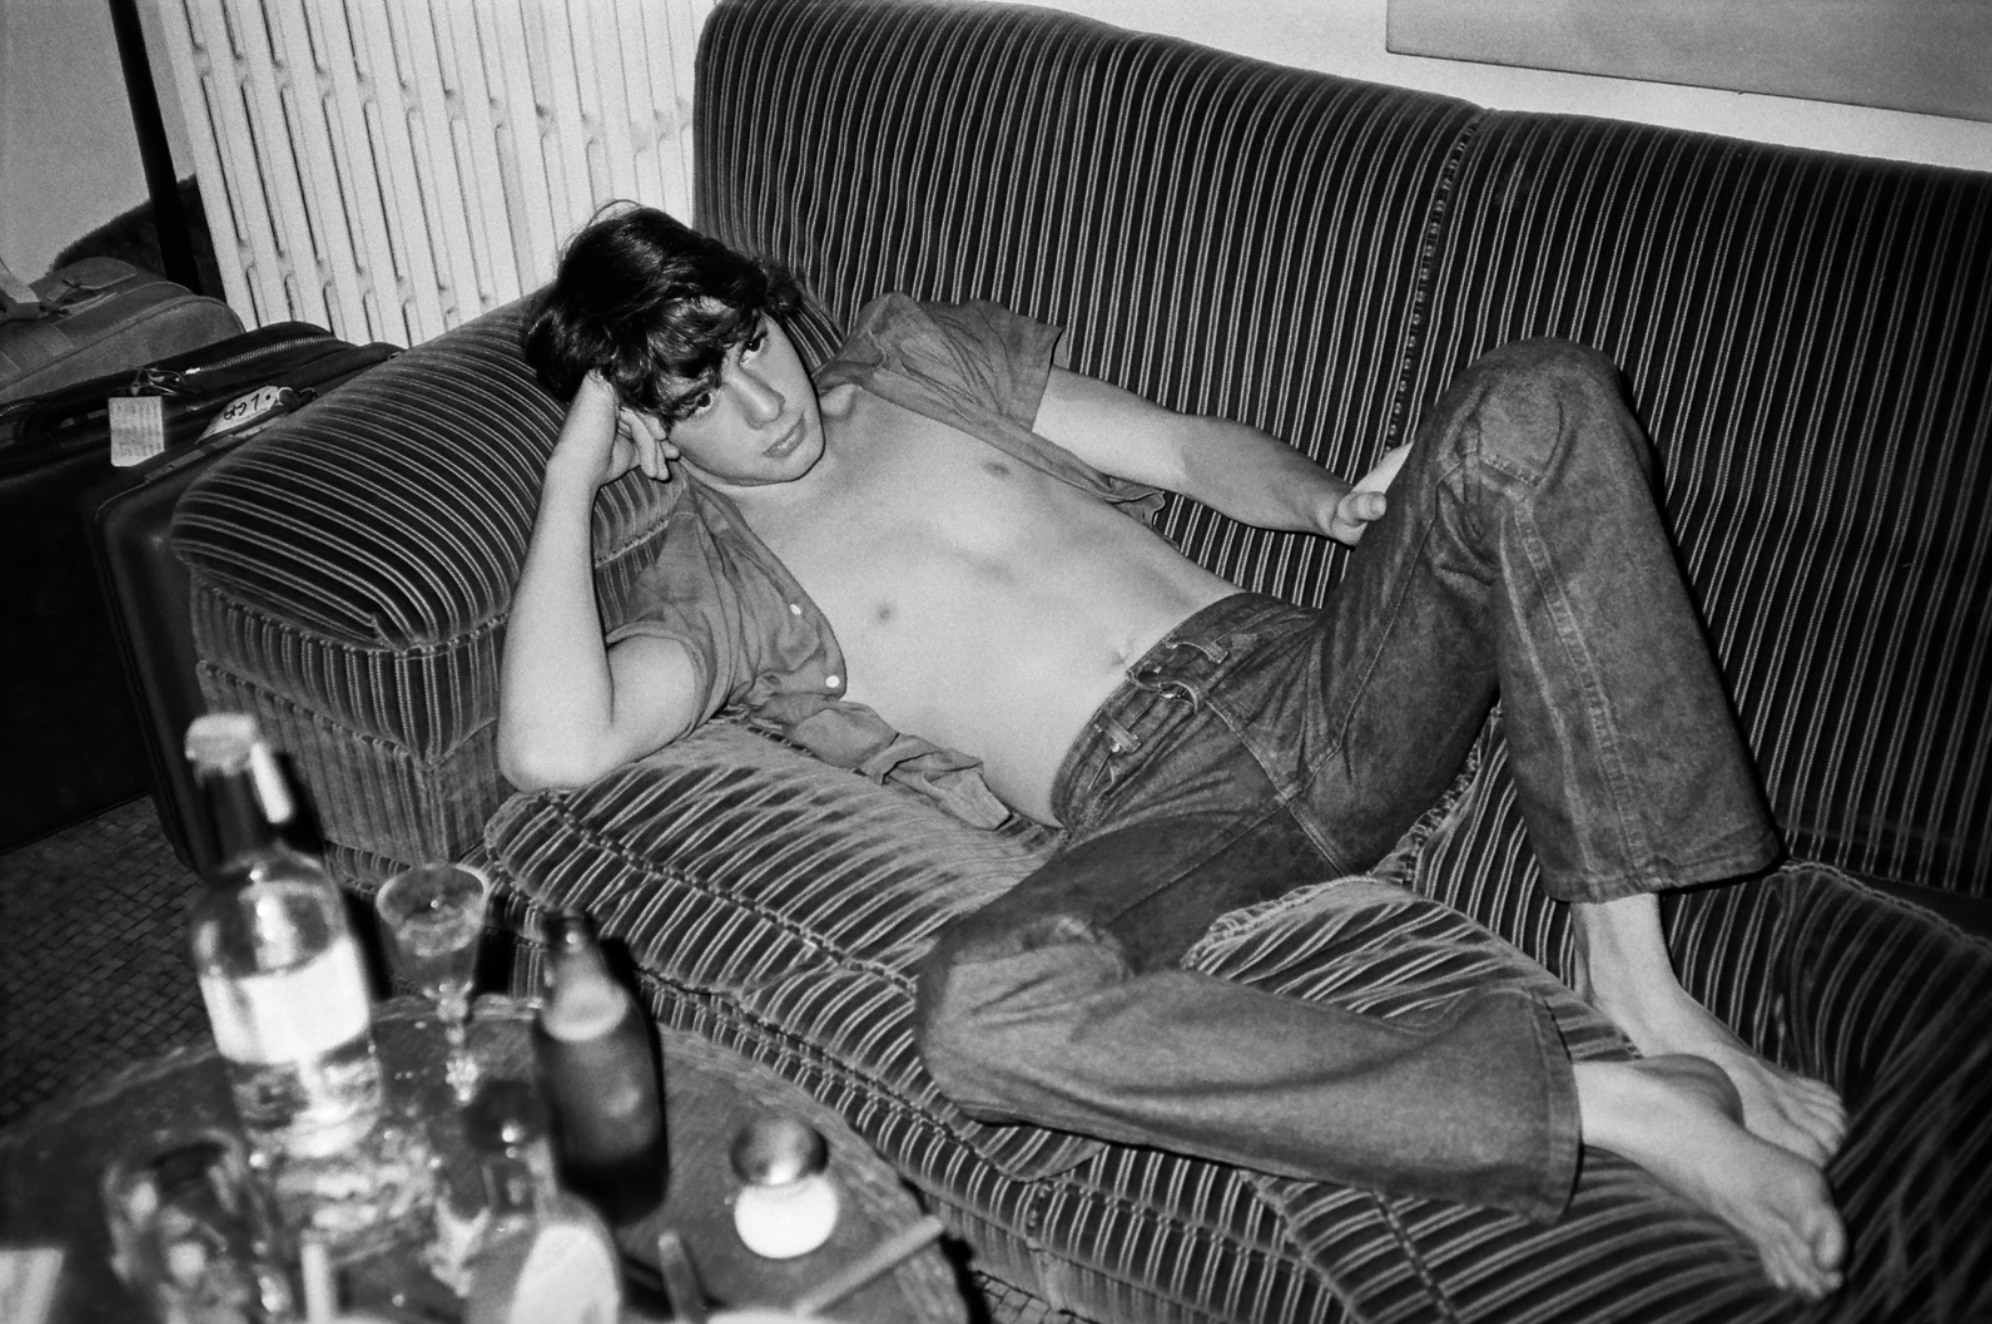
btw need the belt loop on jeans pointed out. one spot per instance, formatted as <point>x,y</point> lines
<point>1213,652</point>
<point>1119,738</point>
<point>1149,676</point>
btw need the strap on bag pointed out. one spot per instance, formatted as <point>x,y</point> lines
<point>18,300</point>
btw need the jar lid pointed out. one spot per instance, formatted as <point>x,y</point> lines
<point>776,1150</point>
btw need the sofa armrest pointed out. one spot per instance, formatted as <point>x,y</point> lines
<point>351,571</point>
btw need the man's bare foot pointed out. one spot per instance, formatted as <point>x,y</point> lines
<point>1679,1118</point>
<point>1623,970</point>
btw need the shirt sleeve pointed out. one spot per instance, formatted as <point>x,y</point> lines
<point>977,355</point>
<point>680,597</point>
<point>978,367</point>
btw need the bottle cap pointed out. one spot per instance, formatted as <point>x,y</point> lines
<point>569,929</point>
<point>221,740</point>
<point>773,1151</point>
<point>220,743</point>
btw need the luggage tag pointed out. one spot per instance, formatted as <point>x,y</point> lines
<point>138,428</point>
<point>249,414</point>
<point>138,417</point>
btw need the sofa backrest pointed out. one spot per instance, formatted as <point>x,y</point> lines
<point>1807,337</point>
<point>1219,235</point>
<point>1808,340</point>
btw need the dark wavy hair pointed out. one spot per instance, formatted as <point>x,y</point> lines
<point>653,306</point>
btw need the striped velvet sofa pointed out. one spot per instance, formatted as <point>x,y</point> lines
<point>1808,339</point>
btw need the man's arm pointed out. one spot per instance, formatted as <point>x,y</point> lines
<point>1243,472</point>
<point>570,707</point>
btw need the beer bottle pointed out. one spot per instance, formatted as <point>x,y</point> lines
<point>600,1076</point>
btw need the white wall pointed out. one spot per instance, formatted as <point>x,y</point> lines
<point>1347,37</point>
<point>68,152</point>
<point>69,160</point>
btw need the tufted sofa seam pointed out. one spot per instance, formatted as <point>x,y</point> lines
<point>1435,233</point>
<point>330,725</point>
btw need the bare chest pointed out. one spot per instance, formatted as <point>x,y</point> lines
<point>979,601</point>
<point>924,522</point>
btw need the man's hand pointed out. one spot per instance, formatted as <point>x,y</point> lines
<point>603,439</point>
<point>1365,503</point>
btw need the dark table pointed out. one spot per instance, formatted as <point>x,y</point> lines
<point>50,1163</point>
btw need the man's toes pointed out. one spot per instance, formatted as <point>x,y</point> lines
<point>1828,1243</point>
<point>1820,1114</point>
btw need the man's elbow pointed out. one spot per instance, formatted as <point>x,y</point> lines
<point>546,766</point>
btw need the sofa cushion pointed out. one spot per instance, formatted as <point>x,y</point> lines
<point>738,868</point>
<point>779,906</point>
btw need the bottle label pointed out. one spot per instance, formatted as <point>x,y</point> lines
<point>291,1015</point>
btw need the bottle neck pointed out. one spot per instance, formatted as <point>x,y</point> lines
<point>583,1001</point>
<point>242,830</point>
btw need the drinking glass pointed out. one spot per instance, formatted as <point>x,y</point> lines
<point>432,918</point>
<point>193,1234</point>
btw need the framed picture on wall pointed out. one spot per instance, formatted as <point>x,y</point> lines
<point>1932,57</point>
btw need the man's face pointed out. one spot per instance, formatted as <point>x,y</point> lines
<point>760,423</point>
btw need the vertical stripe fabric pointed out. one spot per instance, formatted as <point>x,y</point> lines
<point>350,576</point>
<point>1808,340</point>
<point>1218,235</point>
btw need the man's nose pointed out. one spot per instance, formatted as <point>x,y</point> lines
<point>759,400</point>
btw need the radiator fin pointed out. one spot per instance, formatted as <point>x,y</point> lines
<point>392,168</point>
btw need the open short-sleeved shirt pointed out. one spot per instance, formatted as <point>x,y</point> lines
<point>761,649</point>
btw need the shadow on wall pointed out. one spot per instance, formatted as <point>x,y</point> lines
<point>133,237</point>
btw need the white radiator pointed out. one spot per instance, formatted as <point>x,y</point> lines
<point>391,168</point>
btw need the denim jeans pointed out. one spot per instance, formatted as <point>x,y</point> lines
<point>1260,747</point>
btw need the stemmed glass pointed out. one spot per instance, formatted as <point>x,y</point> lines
<point>432,919</point>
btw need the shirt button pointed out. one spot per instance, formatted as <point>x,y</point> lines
<point>795,609</point>
<point>832,681</point>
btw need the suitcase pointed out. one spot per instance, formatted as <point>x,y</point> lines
<point>98,316</point>
<point>81,723</point>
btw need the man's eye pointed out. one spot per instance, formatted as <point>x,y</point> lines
<point>755,342</point>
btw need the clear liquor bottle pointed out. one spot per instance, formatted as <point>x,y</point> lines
<point>279,969</point>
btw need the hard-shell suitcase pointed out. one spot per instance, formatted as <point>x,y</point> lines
<point>98,316</point>
<point>75,735</point>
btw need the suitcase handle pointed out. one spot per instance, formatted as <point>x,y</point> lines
<point>41,421</point>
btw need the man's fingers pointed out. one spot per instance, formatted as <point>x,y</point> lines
<point>1361,508</point>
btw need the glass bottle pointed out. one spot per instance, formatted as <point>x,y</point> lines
<point>600,1074</point>
<point>279,970</point>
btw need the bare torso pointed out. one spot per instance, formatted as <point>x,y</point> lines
<point>980,604</point>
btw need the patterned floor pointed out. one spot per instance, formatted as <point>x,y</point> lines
<point>96,973</point>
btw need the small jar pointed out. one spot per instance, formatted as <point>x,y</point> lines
<point>788,1204</point>
<point>542,1254</point>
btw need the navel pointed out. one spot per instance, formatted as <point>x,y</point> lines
<point>883,613</point>
<point>997,468</point>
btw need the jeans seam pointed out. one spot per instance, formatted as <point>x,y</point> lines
<point>1597,708</point>
<point>1338,740</point>
<point>1215,845</point>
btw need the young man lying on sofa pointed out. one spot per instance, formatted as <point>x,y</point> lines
<point>930,562</point>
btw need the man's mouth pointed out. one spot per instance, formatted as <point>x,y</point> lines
<point>787,442</point>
